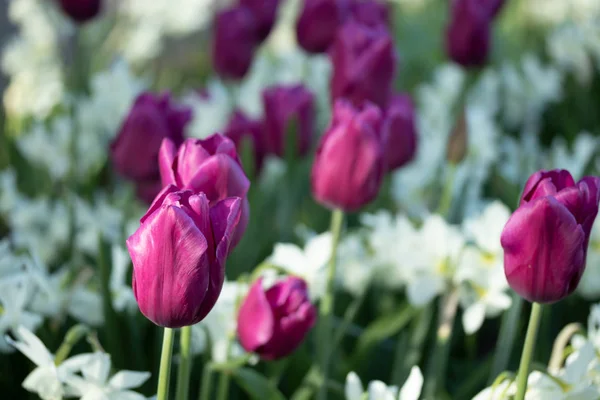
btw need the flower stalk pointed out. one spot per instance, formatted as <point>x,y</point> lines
<point>164,373</point>
<point>183,377</point>
<point>528,348</point>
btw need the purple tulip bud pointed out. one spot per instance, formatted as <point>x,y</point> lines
<point>273,322</point>
<point>469,30</point>
<point>399,132</point>
<point>265,12</point>
<point>240,127</point>
<point>288,107</point>
<point>545,240</point>
<point>364,63</point>
<point>210,166</point>
<point>370,12</point>
<point>81,11</point>
<point>134,152</point>
<point>235,38</point>
<point>318,23</point>
<point>179,253</point>
<point>349,164</point>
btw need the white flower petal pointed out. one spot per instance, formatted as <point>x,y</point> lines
<point>354,388</point>
<point>473,317</point>
<point>411,390</point>
<point>128,379</point>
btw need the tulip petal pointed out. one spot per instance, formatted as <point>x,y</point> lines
<point>189,157</point>
<point>590,192</point>
<point>159,200</point>
<point>166,159</point>
<point>170,267</point>
<point>559,178</point>
<point>219,177</point>
<point>256,321</point>
<point>543,250</point>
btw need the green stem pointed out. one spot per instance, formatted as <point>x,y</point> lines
<point>528,348</point>
<point>326,305</point>
<point>164,374</point>
<point>224,385</point>
<point>446,199</point>
<point>185,354</point>
<point>206,382</point>
<point>506,340</point>
<point>73,336</point>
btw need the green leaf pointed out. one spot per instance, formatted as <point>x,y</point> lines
<point>381,329</point>
<point>255,385</point>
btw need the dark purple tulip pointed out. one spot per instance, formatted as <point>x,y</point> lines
<point>468,33</point>
<point>235,39</point>
<point>241,127</point>
<point>349,164</point>
<point>81,11</point>
<point>370,12</point>
<point>288,107</point>
<point>399,132</point>
<point>545,240</point>
<point>210,166</point>
<point>265,12</point>
<point>272,323</point>
<point>179,253</point>
<point>134,152</point>
<point>364,63</point>
<point>318,23</point>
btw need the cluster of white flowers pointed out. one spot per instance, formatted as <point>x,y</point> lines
<point>579,378</point>
<point>377,390</point>
<point>83,376</point>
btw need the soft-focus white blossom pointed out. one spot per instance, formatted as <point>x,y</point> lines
<point>15,295</point>
<point>576,159</point>
<point>122,294</point>
<point>94,221</point>
<point>377,390</point>
<point>589,285</point>
<point>354,265</point>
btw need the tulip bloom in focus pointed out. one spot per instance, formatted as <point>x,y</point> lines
<point>134,152</point>
<point>179,253</point>
<point>288,107</point>
<point>210,166</point>
<point>349,164</point>
<point>364,64</point>
<point>273,322</point>
<point>81,10</point>
<point>399,132</point>
<point>545,240</point>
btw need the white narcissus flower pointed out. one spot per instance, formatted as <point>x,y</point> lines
<point>377,390</point>
<point>14,297</point>
<point>46,380</point>
<point>574,160</point>
<point>211,109</point>
<point>100,218</point>
<point>354,265</point>
<point>94,382</point>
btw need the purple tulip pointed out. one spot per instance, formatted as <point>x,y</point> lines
<point>469,30</point>
<point>241,127</point>
<point>288,107</point>
<point>210,166</point>
<point>545,240</point>
<point>399,132</point>
<point>349,164</point>
<point>81,11</point>
<point>134,152</point>
<point>179,253</point>
<point>318,23</point>
<point>370,12</point>
<point>235,39</point>
<point>273,322</point>
<point>364,63</point>
<point>265,12</point>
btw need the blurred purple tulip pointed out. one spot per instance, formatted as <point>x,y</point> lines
<point>272,323</point>
<point>134,152</point>
<point>210,166</point>
<point>364,64</point>
<point>545,240</point>
<point>399,132</point>
<point>241,127</point>
<point>235,39</point>
<point>372,13</point>
<point>288,107</point>
<point>318,23</point>
<point>81,11</point>
<point>264,12</point>
<point>349,164</point>
<point>179,253</point>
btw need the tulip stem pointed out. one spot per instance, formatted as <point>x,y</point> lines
<point>164,373</point>
<point>326,305</point>
<point>183,377</point>
<point>532,329</point>
<point>206,382</point>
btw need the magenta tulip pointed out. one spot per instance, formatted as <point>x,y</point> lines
<point>241,127</point>
<point>264,12</point>
<point>134,152</point>
<point>210,166</point>
<point>399,132</point>
<point>235,39</point>
<point>364,64</point>
<point>81,11</point>
<point>318,23</point>
<point>545,240</point>
<point>273,322</point>
<point>349,164</point>
<point>179,253</point>
<point>370,12</point>
<point>286,108</point>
